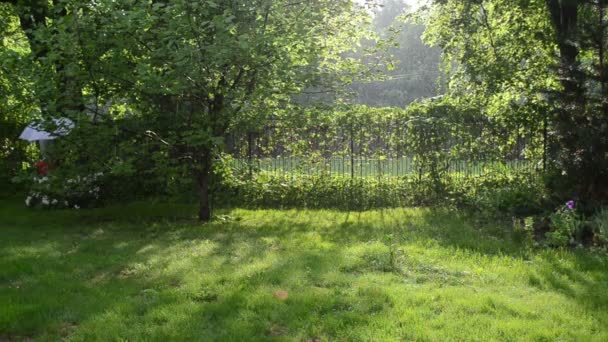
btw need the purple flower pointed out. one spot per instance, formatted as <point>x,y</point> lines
<point>570,204</point>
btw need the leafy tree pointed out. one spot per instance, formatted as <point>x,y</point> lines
<point>487,45</point>
<point>581,115</point>
<point>185,73</point>
<point>17,103</point>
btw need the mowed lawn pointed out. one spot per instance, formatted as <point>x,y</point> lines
<point>150,272</point>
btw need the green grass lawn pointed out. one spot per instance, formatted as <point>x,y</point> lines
<point>149,272</point>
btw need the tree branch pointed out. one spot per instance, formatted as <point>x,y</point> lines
<point>489,28</point>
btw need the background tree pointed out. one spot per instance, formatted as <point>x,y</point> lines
<point>414,70</point>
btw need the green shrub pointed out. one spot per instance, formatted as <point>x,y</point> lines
<point>565,223</point>
<point>599,224</point>
<point>496,193</point>
<point>506,194</point>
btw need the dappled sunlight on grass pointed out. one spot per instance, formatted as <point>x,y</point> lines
<point>379,275</point>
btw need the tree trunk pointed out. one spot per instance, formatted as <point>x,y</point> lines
<point>204,208</point>
<point>203,180</point>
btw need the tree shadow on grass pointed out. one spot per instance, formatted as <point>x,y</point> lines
<point>95,275</point>
<point>578,275</point>
<point>445,228</point>
<point>247,309</point>
<point>118,279</point>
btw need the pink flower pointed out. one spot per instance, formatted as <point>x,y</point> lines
<point>571,204</point>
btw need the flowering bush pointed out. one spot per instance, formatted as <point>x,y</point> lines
<point>565,223</point>
<point>58,191</point>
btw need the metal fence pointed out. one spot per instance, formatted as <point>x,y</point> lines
<point>378,150</point>
<point>369,167</point>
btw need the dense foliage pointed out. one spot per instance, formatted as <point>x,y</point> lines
<point>181,72</point>
<point>16,98</point>
<point>558,86</point>
<point>166,95</point>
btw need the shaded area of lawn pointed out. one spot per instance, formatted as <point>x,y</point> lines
<point>149,272</point>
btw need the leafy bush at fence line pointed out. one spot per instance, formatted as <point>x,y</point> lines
<point>506,194</point>
<point>511,194</point>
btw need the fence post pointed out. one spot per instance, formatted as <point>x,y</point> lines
<point>352,152</point>
<point>250,153</point>
<point>545,143</point>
